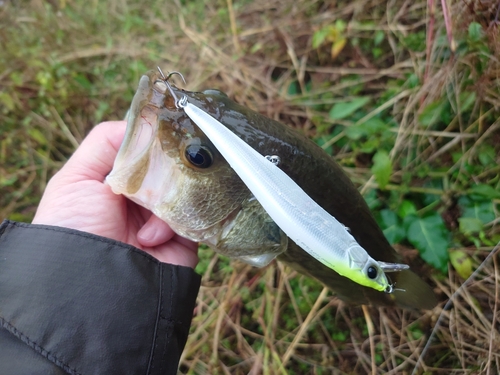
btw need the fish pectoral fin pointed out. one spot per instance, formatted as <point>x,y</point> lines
<point>252,236</point>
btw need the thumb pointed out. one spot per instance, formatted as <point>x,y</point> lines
<point>94,158</point>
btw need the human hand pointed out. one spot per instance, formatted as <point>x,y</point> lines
<point>77,198</point>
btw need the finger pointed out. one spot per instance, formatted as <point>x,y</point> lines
<point>154,232</point>
<point>184,241</point>
<point>174,252</point>
<point>94,159</point>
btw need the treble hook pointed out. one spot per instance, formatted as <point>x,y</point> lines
<point>179,103</point>
<point>391,288</point>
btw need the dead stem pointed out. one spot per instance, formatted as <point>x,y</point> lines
<point>369,324</point>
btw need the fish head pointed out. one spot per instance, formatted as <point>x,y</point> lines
<point>167,165</point>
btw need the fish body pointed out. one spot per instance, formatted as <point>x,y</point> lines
<point>168,165</point>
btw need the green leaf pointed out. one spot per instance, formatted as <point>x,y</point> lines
<point>486,191</point>
<point>321,141</point>
<point>372,126</point>
<point>431,199</point>
<point>415,41</point>
<point>344,109</point>
<point>8,181</point>
<point>475,32</point>
<point>432,113</point>
<point>462,263</point>
<point>415,331</point>
<point>100,111</point>
<point>468,225</point>
<point>406,208</point>
<point>379,37</point>
<point>38,136</point>
<point>393,230</point>
<point>413,81</point>
<point>293,88</point>
<point>382,168</point>
<point>355,132</point>
<point>83,82</point>
<point>478,209</point>
<point>467,99</point>
<point>17,78</point>
<point>430,236</point>
<point>377,52</point>
<point>257,47</point>
<point>319,37</point>
<point>7,101</point>
<point>486,155</point>
<point>372,200</point>
<point>340,25</point>
<point>369,146</point>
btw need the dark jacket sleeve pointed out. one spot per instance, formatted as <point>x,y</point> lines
<point>72,302</point>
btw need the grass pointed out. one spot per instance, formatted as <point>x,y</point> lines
<point>413,121</point>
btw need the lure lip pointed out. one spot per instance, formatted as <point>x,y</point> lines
<point>393,267</point>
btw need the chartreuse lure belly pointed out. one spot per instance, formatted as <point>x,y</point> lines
<point>301,218</point>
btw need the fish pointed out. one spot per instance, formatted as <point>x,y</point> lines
<point>168,165</point>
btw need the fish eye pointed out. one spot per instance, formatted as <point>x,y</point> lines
<point>199,156</point>
<point>371,272</point>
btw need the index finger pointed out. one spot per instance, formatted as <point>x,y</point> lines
<point>94,159</point>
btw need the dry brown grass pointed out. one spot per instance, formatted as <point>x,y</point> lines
<point>272,320</point>
<point>229,323</point>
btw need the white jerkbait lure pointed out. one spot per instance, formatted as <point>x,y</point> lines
<point>300,217</point>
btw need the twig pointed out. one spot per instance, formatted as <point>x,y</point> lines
<point>234,30</point>
<point>449,25</point>
<point>64,128</point>
<point>431,7</point>
<point>495,309</point>
<point>369,325</point>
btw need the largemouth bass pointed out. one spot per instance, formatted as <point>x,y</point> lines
<point>168,165</point>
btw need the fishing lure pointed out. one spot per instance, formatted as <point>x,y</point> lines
<point>300,217</point>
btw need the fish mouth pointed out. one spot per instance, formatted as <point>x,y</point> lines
<point>151,169</point>
<point>142,119</point>
<point>142,171</point>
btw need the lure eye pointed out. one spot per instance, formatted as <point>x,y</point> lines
<point>199,156</point>
<point>371,272</point>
